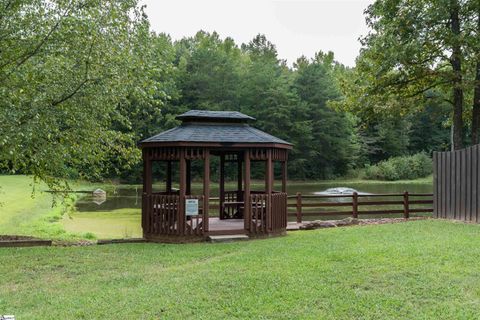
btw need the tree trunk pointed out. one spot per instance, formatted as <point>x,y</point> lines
<point>456,63</point>
<point>476,107</point>
<point>452,148</point>
<point>476,96</point>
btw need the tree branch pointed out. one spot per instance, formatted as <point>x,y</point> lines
<point>421,91</point>
<point>71,94</point>
<point>81,84</point>
<point>27,55</point>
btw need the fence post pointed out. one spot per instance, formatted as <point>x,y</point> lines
<point>355,205</point>
<point>299,207</point>
<point>406,209</point>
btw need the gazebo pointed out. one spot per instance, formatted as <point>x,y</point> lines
<point>183,214</point>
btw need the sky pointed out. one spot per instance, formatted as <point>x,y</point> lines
<point>295,27</point>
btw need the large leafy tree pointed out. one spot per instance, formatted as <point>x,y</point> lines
<point>65,67</point>
<point>415,47</point>
<point>474,46</point>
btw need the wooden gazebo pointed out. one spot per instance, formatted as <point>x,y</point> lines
<point>178,215</point>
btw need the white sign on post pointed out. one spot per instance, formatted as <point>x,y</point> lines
<point>191,207</point>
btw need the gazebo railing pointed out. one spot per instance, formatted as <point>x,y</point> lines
<point>197,224</point>
<point>279,211</point>
<point>232,206</point>
<point>258,213</point>
<point>162,216</point>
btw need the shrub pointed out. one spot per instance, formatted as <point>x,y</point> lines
<point>89,235</point>
<point>396,168</point>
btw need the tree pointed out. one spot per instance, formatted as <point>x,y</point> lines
<point>65,67</point>
<point>267,93</point>
<point>417,46</point>
<point>209,72</point>
<point>390,126</point>
<point>475,45</point>
<point>428,130</point>
<point>332,144</point>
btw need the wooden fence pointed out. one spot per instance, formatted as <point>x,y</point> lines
<point>355,201</point>
<point>456,183</point>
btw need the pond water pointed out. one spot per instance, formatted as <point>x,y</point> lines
<point>119,214</point>
<point>130,196</point>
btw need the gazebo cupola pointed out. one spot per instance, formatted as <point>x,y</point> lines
<point>182,215</point>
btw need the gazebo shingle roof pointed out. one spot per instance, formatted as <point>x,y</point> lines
<point>215,126</point>
<point>204,115</point>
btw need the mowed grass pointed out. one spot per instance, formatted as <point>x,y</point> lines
<point>415,270</point>
<point>24,212</point>
<point>118,223</point>
<point>27,209</point>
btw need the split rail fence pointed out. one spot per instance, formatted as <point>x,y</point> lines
<point>351,204</point>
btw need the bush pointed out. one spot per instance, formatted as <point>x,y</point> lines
<point>407,167</point>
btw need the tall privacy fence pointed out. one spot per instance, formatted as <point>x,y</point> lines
<point>456,178</point>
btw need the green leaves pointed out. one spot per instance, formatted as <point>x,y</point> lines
<point>414,48</point>
<point>289,103</point>
<point>65,68</point>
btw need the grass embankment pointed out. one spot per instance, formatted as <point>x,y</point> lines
<point>423,270</point>
<point>25,212</point>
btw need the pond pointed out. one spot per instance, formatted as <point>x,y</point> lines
<point>119,214</point>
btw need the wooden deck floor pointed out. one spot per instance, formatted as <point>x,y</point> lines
<point>215,224</point>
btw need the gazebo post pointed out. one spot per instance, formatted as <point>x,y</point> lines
<point>188,188</point>
<point>247,218</point>
<point>284,176</point>
<point>268,185</point>
<point>168,187</point>
<point>239,178</point>
<point>147,192</point>
<point>222,186</point>
<point>147,173</point>
<point>183,184</point>
<point>206,189</point>
<point>284,189</point>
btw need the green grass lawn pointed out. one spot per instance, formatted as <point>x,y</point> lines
<point>118,223</point>
<point>422,269</point>
<point>25,212</point>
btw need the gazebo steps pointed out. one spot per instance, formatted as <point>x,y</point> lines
<point>227,238</point>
